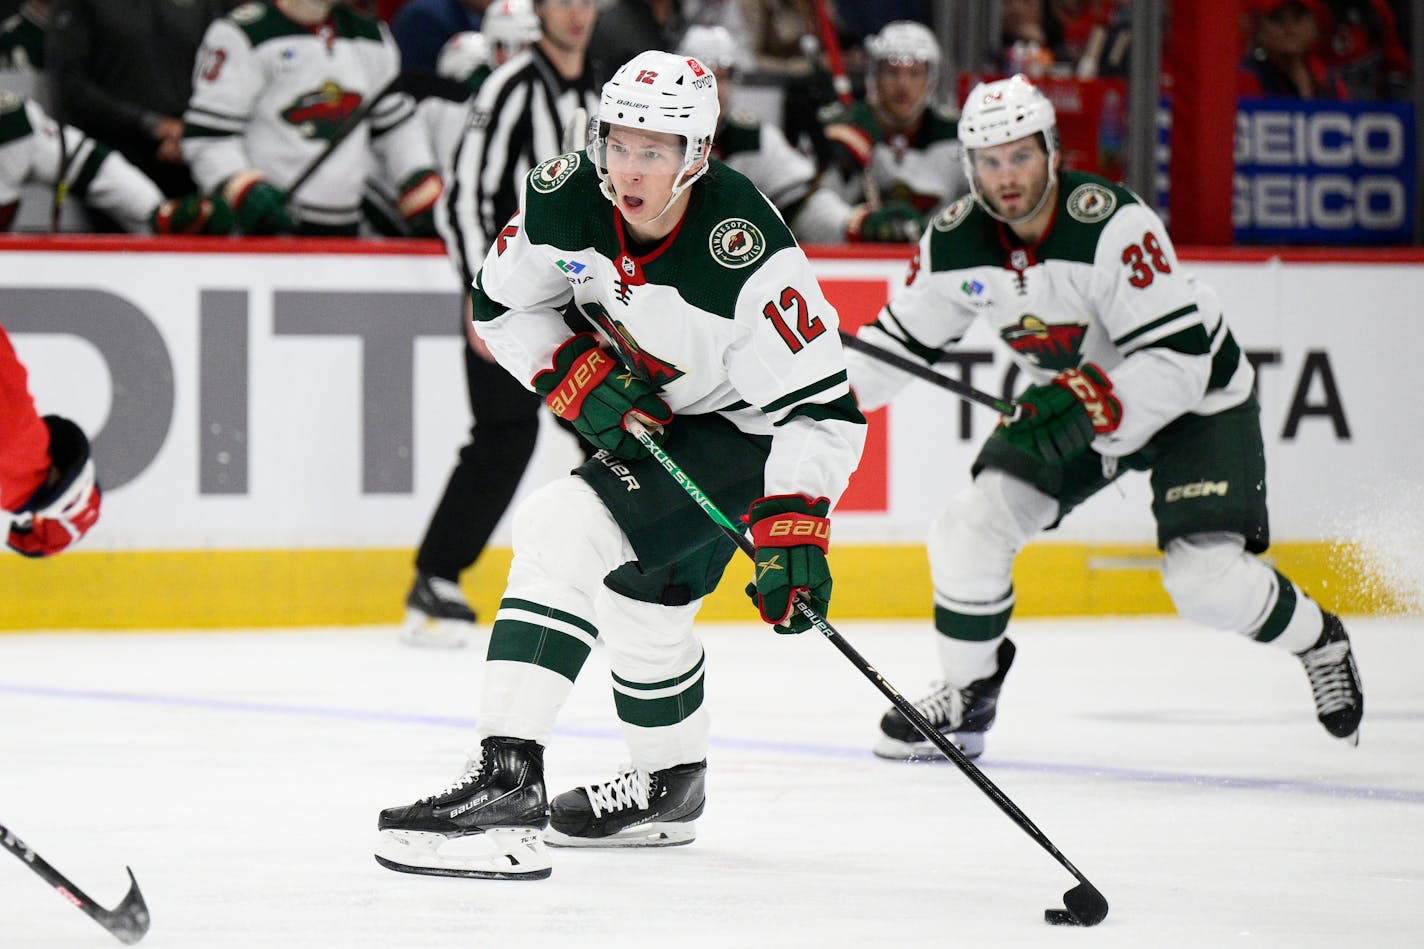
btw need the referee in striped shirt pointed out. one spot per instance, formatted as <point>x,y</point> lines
<point>518,119</point>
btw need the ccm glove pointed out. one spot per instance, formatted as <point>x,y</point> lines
<point>895,223</point>
<point>1060,419</point>
<point>791,534</point>
<point>261,208</point>
<point>192,214</point>
<point>418,195</point>
<point>67,504</point>
<point>590,388</point>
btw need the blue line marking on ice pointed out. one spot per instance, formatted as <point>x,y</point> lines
<point>809,750</point>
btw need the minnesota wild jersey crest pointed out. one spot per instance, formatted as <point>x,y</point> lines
<point>551,175</point>
<point>1091,203</point>
<point>319,113</point>
<point>736,243</point>
<point>1051,346</point>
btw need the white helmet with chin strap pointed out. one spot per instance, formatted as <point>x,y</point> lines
<point>659,92</point>
<point>903,43</point>
<point>712,45</point>
<point>461,55</point>
<point>1007,110</point>
<point>511,25</point>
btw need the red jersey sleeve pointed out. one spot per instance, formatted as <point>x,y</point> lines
<point>24,439</point>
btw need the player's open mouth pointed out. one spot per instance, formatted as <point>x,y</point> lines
<point>631,202</point>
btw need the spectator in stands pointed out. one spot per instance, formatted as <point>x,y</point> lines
<point>1281,61</point>
<point>1028,38</point>
<point>626,28</point>
<point>423,27</point>
<point>777,30</point>
<point>897,147</point>
<point>122,72</point>
<point>1359,41</point>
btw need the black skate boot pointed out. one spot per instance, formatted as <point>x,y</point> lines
<point>635,809</point>
<point>961,715</point>
<point>486,824</point>
<point>436,613</point>
<point>1335,682</point>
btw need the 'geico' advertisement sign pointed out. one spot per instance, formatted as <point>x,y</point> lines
<point>1323,172</point>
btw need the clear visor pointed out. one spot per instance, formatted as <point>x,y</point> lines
<point>626,152</point>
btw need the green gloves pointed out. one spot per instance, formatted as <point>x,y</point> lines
<point>590,388</point>
<point>418,194</point>
<point>192,214</point>
<point>1060,419</point>
<point>791,533</point>
<point>261,208</point>
<point>896,222</point>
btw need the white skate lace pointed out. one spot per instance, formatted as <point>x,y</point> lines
<point>1329,670</point>
<point>629,789</point>
<point>470,775</point>
<point>941,707</point>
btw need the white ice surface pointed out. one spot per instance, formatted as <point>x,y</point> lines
<point>1181,770</point>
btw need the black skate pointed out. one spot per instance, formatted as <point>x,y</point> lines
<point>436,613</point>
<point>961,715</point>
<point>486,824</point>
<point>635,809</point>
<point>1335,682</point>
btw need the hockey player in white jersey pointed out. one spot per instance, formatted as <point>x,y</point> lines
<point>816,213</point>
<point>1133,368</point>
<point>34,147</point>
<point>710,326</point>
<point>272,83</point>
<point>897,147</point>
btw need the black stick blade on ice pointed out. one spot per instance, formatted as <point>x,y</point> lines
<point>127,922</point>
<point>1085,907</point>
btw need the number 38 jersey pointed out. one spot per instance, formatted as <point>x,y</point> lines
<point>1102,285</point>
<point>723,315</point>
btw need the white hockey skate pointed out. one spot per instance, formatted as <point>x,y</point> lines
<point>634,809</point>
<point>485,825</point>
<point>437,614</point>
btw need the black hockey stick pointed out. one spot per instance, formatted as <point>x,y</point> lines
<point>1085,906</point>
<point>961,389</point>
<point>128,921</point>
<point>418,85</point>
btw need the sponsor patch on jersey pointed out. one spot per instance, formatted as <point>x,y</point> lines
<point>736,243</point>
<point>1091,203</point>
<point>950,217</point>
<point>551,175</point>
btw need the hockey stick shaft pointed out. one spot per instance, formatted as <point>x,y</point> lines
<point>1087,891</point>
<point>961,389</point>
<point>835,58</point>
<point>127,922</point>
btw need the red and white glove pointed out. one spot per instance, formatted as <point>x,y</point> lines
<point>64,508</point>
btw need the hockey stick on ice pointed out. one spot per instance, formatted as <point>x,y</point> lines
<point>128,921</point>
<point>1085,906</point>
<point>961,389</point>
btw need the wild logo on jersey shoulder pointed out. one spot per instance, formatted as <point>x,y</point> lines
<point>1047,345</point>
<point>952,216</point>
<point>319,113</point>
<point>736,243</point>
<point>551,175</point>
<point>1091,203</point>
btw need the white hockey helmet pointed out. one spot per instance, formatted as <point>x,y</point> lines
<point>510,25</point>
<point>1007,110</point>
<point>461,55</point>
<point>903,43</point>
<point>713,46</point>
<point>659,92</point>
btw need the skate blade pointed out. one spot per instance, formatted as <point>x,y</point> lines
<point>431,633</point>
<point>671,834</point>
<point>971,743</point>
<point>505,853</point>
